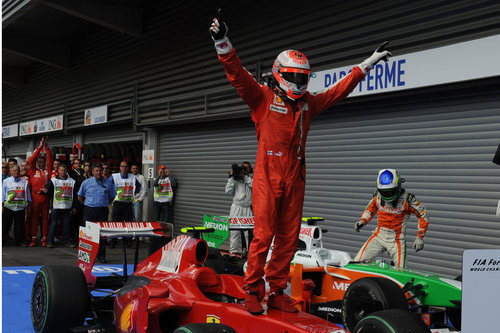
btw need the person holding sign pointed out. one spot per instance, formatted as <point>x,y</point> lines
<point>282,112</point>
<point>61,189</point>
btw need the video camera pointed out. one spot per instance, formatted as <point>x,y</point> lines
<point>238,171</point>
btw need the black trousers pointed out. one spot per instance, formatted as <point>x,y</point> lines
<point>122,212</point>
<point>161,212</point>
<point>9,216</point>
<point>97,214</point>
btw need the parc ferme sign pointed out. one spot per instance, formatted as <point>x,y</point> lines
<point>49,124</point>
<point>454,63</point>
<point>97,115</point>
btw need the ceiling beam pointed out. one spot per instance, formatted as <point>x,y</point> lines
<point>52,53</point>
<point>123,16</point>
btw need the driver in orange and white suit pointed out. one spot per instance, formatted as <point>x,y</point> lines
<point>393,205</point>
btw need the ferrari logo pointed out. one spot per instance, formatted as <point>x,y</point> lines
<point>213,319</point>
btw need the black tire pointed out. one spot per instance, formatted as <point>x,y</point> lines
<point>59,299</point>
<point>205,328</point>
<point>391,321</point>
<point>368,295</point>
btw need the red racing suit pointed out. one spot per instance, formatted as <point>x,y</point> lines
<point>280,170</point>
<point>391,228</point>
<point>40,203</point>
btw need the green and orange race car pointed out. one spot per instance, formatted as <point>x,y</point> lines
<point>328,283</point>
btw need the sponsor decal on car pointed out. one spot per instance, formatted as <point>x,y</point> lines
<point>213,319</point>
<point>84,256</point>
<point>85,246</point>
<point>172,253</point>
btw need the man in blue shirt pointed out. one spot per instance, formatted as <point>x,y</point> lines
<point>95,194</point>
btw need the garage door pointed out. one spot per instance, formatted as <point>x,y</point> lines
<point>443,147</point>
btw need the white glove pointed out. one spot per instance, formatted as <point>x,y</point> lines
<point>378,55</point>
<point>418,244</point>
<point>358,225</point>
<point>218,30</point>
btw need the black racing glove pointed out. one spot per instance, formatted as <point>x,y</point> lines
<point>218,30</point>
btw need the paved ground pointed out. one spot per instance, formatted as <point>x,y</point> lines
<point>13,256</point>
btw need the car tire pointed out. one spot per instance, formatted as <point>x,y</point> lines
<point>205,328</point>
<point>368,295</point>
<point>391,321</point>
<point>59,299</point>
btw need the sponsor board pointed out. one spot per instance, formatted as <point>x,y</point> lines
<point>221,226</point>
<point>94,116</point>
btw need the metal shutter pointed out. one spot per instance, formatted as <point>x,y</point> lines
<point>200,157</point>
<point>14,148</point>
<point>442,147</point>
<point>107,135</point>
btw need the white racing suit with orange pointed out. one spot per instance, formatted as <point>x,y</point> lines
<point>391,229</point>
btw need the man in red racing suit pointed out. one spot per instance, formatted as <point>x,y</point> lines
<point>282,124</point>
<point>39,174</point>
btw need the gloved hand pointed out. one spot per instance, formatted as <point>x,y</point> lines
<point>218,30</point>
<point>418,244</point>
<point>379,54</point>
<point>358,225</point>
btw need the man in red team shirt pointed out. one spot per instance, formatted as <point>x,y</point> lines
<point>39,173</point>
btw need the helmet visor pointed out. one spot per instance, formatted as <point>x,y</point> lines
<point>297,78</point>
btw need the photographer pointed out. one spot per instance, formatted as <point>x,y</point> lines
<point>239,185</point>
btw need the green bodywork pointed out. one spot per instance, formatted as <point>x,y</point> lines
<point>435,291</point>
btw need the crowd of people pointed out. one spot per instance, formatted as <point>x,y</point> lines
<point>47,200</point>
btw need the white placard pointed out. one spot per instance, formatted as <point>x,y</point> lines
<point>150,173</point>
<point>148,156</point>
<point>94,116</point>
<point>10,131</point>
<point>49,124</point>
<point>480,290</point>
<point>458,62</point>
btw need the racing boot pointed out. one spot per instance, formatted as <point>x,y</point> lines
<point>44,242</point>
<point>278,300</point>
<point>33,242</point>
<point>253,297</point>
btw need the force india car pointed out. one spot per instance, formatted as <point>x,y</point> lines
<point>170,291</point>
<point>331,284</point>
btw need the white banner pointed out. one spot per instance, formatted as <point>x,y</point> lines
<point>49,124</point>
<point>10,131</point>
<point>459,62</point>
<point>480,290</point>
<point>97,115</point>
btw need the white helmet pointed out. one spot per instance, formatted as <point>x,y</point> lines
<point>389,184</point>
<point>292,71</point>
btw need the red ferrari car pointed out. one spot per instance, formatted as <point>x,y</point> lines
<point>168,291</point>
